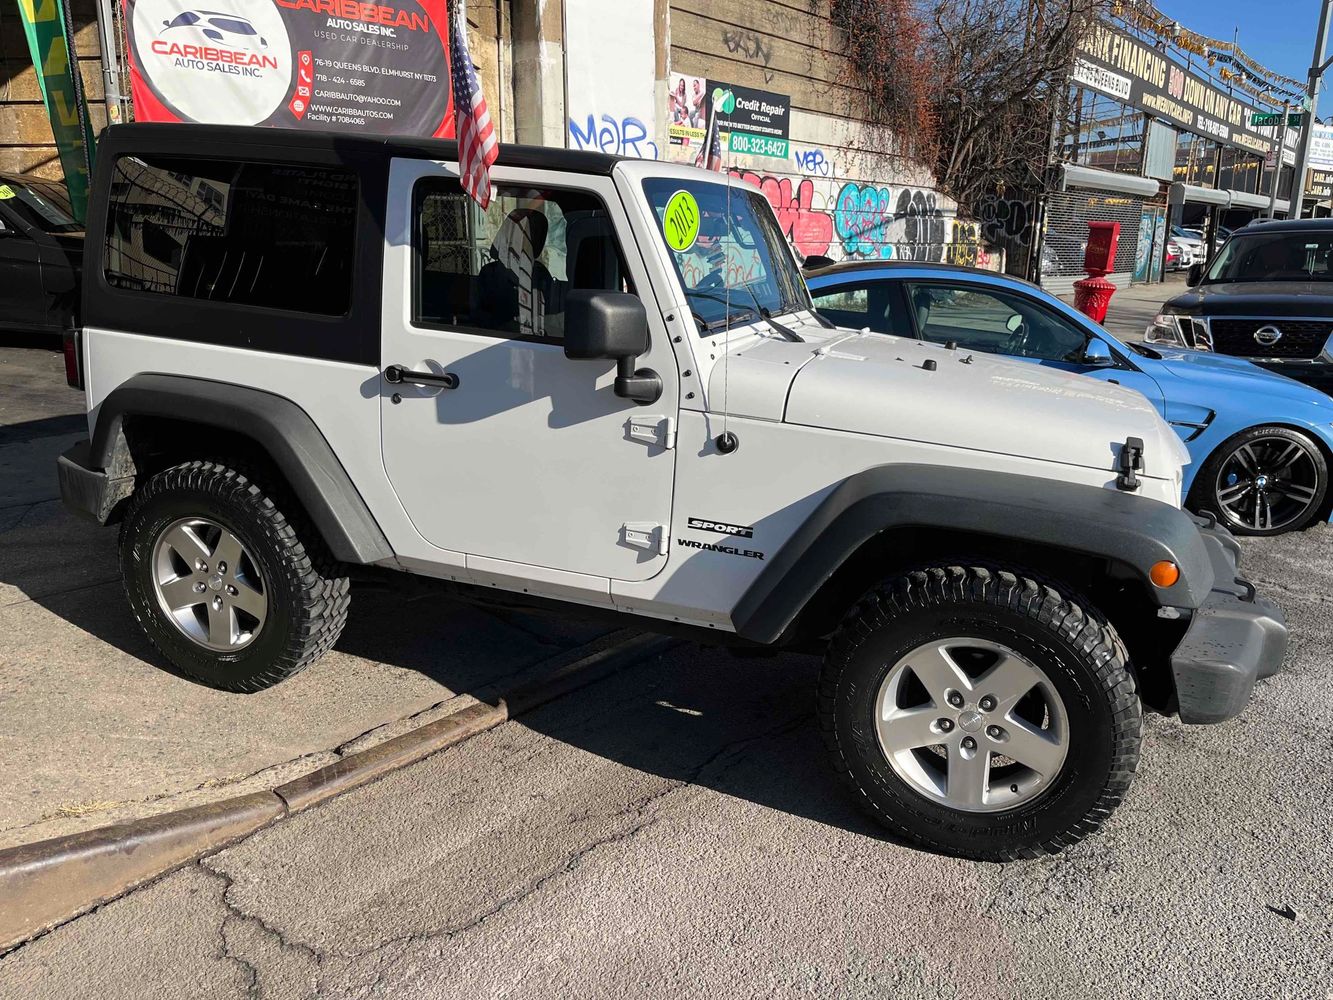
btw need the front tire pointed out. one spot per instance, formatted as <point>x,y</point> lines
<point>980,713</point>
<point>1263,481</point>
<point>222,581</point>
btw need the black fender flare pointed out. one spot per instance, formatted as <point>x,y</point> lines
<point>1104,523</point>
<point>276,424</point>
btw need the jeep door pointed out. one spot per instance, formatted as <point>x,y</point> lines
<point>530,458</point>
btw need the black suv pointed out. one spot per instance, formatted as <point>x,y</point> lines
<point>1267,297</point>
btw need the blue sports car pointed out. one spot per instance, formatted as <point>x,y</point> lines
<point>1262,444</point>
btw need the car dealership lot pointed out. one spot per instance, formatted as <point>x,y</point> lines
<point>669,828</point>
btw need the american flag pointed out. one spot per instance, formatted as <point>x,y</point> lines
<point>710,153</point>
<point>477,145</point>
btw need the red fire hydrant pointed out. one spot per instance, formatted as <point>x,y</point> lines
<point>1092,295</point>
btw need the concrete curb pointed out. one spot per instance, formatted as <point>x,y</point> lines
<point>45,884</point>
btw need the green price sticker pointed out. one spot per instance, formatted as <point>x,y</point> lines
<point>6,192</point>
<point>681,221</point>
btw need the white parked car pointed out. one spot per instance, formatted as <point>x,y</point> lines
<point>610,391</point>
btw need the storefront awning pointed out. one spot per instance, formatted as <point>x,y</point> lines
<point>1182,193</point>
<point>1072,175</point>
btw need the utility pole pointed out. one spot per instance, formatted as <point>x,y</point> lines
<point>1280,156</point>
<point>1317,67</point>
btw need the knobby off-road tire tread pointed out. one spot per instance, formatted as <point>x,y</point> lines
<point>320,580</point>
<point>1036,599</point>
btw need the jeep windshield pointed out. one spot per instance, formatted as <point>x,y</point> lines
<point>727,249</point>
<point>1274,256</point>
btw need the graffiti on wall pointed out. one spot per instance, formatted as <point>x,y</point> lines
<point>814,162</point>
<point>809,229</point>
<point>1007,220</point>
<point>624,136</point>
<point>823,216</point>
<point>751,46</point>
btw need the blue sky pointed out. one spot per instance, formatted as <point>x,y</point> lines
<point>1278,33</point>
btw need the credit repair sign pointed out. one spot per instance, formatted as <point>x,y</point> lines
<point>321,64</point>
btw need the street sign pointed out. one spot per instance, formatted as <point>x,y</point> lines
<point>1261,118</point>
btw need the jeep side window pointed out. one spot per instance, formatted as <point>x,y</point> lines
<point>994,322</point>
<point>507,270</point>
<point>874,304</point>
<point>280,236</point>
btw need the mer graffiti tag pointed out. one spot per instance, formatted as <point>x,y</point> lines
<point>627,136</point>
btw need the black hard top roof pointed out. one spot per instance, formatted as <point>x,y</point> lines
<point>202,139</point>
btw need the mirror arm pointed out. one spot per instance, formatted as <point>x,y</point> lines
<point>643,386</point>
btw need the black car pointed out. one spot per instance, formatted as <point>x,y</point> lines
<point>41,256</point>
<point>1267,297</point>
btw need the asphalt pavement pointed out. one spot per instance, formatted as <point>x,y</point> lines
<point>672,830</point>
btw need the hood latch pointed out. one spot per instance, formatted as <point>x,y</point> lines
<point>1131,462</point>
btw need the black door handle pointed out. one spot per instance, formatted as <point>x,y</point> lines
<point>397,375</point>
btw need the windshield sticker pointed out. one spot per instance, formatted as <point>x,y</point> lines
<point>6,192</point>
<point>680,222</point>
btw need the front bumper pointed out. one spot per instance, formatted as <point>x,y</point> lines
<point>1234,638</point>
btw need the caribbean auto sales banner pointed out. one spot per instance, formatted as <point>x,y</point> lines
<point>316,64</point>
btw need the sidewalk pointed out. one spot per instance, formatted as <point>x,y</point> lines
<point>1133,308</point>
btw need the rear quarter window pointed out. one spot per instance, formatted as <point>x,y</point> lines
<point>275,236</point>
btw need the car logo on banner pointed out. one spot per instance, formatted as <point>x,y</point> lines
<point>217,63</point>
<point>1267,336</point>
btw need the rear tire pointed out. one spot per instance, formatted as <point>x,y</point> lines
<point>234,594</point>
<point>907,682</point>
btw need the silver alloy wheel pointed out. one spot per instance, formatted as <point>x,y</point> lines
<point>1267,484</point>
<point>207,584</point>
<point>972,725</point>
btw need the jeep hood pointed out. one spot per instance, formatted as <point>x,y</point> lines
<point>872,383</point>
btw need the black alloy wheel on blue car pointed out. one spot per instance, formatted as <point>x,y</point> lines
<point>1264,481</point>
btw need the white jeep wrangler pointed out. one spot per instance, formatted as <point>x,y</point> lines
<point>305,352</point>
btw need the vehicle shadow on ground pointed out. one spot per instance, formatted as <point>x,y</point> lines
<point>743,726</point>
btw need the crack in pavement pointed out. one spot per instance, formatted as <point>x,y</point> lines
<point>641,812</point>
<point>235,913</point>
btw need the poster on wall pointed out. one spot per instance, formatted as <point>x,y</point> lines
<point>610,61</point>
<point>380,68</point>
<point>687,114</point>
<point>757,122</point>
<point>749,122</point>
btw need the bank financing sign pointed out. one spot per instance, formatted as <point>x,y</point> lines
<point>335,65</point>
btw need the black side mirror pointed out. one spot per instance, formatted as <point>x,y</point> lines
<point>1195,275</point>
<point>613,326</point>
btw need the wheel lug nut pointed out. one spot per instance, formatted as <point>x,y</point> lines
<point>199,587</point>
<point>231,591</point>
<point>987,703</point>
<point>969,743</point>
<point>222,567</point>
<point>217,604</point>
<point>201,566</point>
<point>945,725</point>
<point>955,699</point>
<point>993,732</point>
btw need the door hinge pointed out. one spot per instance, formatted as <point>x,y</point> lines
<point>653,429</point>
<point>647,535</point>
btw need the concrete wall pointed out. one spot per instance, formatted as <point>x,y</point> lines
<point>841,192</point>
